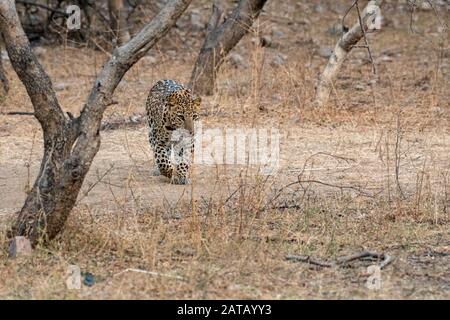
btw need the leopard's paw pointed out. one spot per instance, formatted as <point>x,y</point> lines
<point>180,180</point>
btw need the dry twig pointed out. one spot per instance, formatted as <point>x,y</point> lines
<point>385,259</point>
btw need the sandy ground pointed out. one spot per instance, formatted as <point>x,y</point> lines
<point>343,156</point>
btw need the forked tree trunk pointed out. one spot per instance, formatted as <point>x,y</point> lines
<point>220,38</point>
<point>118,17</point>
<point>70,144</point>
<point>342,48</point>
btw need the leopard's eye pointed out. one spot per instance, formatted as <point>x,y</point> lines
<point>195,116</point>
<point>181,117</point>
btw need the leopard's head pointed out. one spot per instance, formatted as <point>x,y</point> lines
<point>183,109</point>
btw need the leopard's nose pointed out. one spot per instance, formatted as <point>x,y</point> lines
<point>189,125</point>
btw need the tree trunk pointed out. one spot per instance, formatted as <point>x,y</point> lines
<point>220,39</point>
<point>4,84</point>
<point>342,48</point>
<point>70,144</point>
<point>118,17</point>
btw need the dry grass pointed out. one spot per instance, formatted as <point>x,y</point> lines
<point>374,169</point>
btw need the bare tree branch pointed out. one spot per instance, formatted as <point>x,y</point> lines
<point>366,41</point>
<point>220,39</point>
<point>36,81</point>
<point>118,18</point>
<point>343,47</point>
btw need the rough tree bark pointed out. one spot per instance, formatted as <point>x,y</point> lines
<point>4,84</point>
<point>342,48</point>
<point>70,144</point>
<point>220,38</point>
<point>118,17</point>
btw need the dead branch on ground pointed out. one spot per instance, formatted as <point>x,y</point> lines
<point>384,259</point>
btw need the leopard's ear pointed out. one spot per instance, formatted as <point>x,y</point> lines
<point>171,100</point>
<point>197,101</point>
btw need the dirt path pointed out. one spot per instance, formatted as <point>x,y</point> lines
<point>341,156</point>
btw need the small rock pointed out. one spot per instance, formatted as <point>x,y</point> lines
<point>360,87</point>
<point>325,52</point>
<point>19,247</point>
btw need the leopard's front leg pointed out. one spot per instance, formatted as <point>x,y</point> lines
<point>181,173</point>
<point>163,163</point>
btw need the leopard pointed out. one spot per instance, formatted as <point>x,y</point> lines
<point>171,107</point>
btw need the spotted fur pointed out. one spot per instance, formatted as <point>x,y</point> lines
<point>170,107</point>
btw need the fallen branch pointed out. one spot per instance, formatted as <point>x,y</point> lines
<point>20,113</point>
<point>341,187</point>
<point>131,122</point>
<point>385,259</point>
